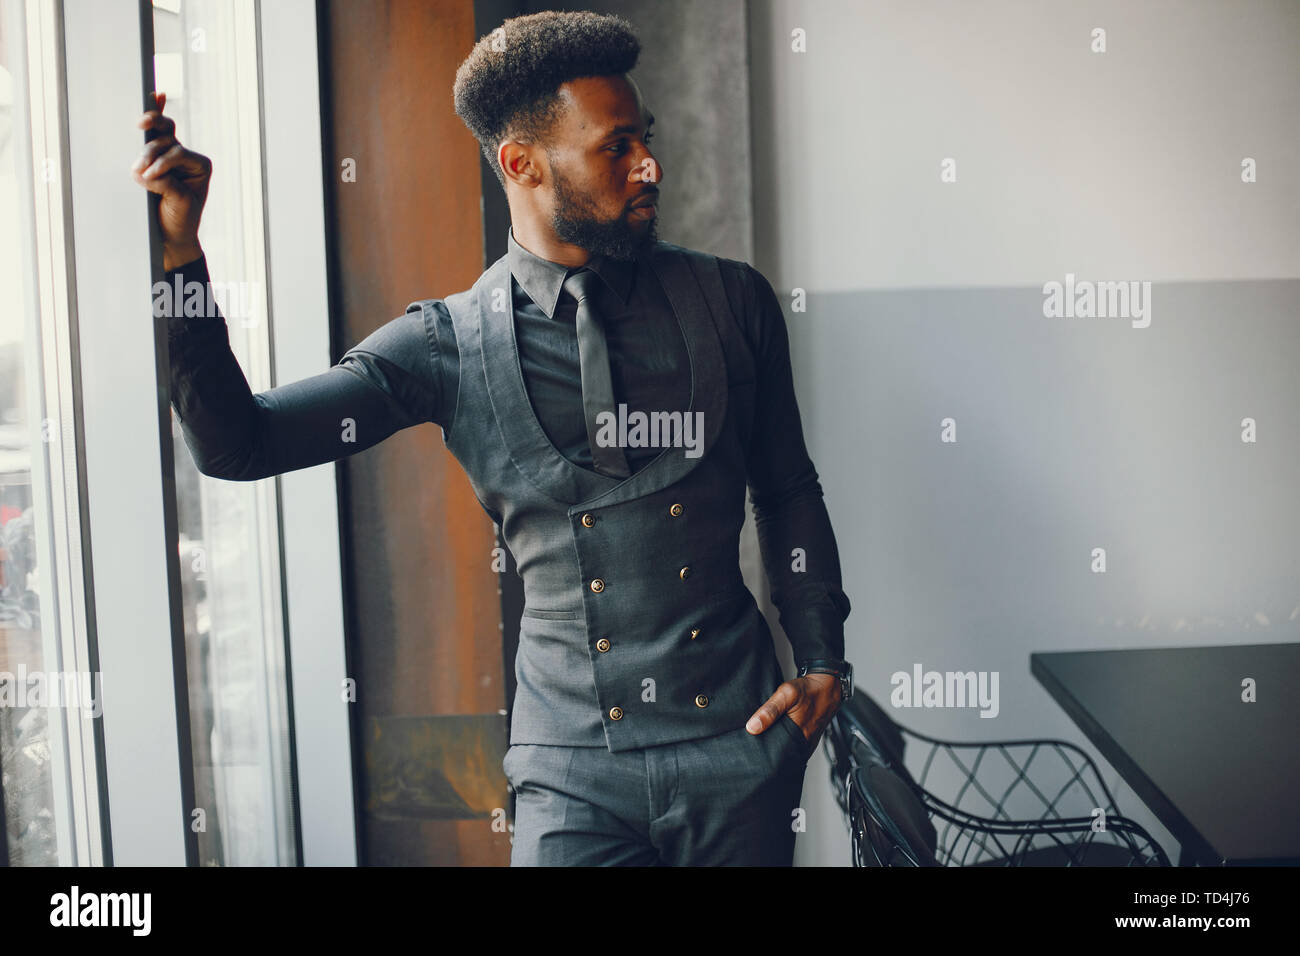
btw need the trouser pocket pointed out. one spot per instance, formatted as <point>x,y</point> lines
<point>797,740</point>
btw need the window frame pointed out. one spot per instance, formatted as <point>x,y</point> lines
<point>134,596</point>
<point>131,800</point>
<point>298,304</point>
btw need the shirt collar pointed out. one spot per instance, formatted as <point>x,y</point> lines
<point>543,279</point>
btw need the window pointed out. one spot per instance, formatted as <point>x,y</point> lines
<point>49,691</point>
<point>205,60</point>
<point>117,558</point>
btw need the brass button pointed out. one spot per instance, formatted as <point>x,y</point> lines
<point>684,573</point>
<point>675,510</point>
<point>695,632</point>
<point>701,700</point>
<point>597,585</point>
<point>602,645</point>
<point>588,520</point>
<point>616,713</point>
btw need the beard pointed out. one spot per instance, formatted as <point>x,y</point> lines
<point>575,221</point>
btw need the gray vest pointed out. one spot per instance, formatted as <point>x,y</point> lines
<point>637,627</point>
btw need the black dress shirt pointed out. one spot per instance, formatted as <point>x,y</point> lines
<point>647,355</point>
<point>403,374</point>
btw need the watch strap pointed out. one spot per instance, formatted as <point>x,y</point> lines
<point>823,666</point>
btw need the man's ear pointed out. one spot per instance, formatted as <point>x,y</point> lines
<point>517,162</point>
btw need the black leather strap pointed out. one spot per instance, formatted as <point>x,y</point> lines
<point>823,666</point>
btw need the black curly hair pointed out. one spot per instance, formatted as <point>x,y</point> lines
<point>507,88</point>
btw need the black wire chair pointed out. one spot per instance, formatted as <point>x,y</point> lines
<point>898,820</point>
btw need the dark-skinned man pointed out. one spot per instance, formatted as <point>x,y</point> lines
<point>651,724</point>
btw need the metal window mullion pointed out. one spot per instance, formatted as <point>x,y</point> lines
<point>277,700</point>
<point>300,336</point>
<point>136,626</point>
<point>40,132</point>
<point>41,305</point>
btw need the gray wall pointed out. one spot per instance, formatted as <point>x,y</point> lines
<point>925,301</point>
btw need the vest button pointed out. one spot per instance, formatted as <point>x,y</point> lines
<point>616,713</point>
<point>695,632</point>
<point>675,510</point>
<point>602,645</point>
<point>597,585</point>
<point>684,573</point>
<point>588,520</point>
<point>701,700</point>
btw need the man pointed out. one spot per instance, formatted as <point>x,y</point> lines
<point>610,396</point>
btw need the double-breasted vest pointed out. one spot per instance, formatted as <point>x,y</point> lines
<point>637,626</point>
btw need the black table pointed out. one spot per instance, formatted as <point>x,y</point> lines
<point>1222,775</point>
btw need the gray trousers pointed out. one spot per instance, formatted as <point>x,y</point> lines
<point>728,800</point>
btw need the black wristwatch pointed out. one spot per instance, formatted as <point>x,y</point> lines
<point>841,669</point>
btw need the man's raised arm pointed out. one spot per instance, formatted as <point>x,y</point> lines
<point>387,382</point>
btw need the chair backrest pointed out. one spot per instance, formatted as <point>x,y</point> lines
<point>880,725</point>
<point>897,824</point>
<point>884,736</point>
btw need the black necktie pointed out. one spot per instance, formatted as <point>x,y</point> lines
<point>593,359</point>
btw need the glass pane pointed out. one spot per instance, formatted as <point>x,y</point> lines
<point>44,739</point>
<point>206,62</point>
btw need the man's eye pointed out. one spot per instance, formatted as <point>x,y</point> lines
<point>622,145</point>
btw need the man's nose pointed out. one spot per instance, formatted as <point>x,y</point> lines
<point>646,171</point>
